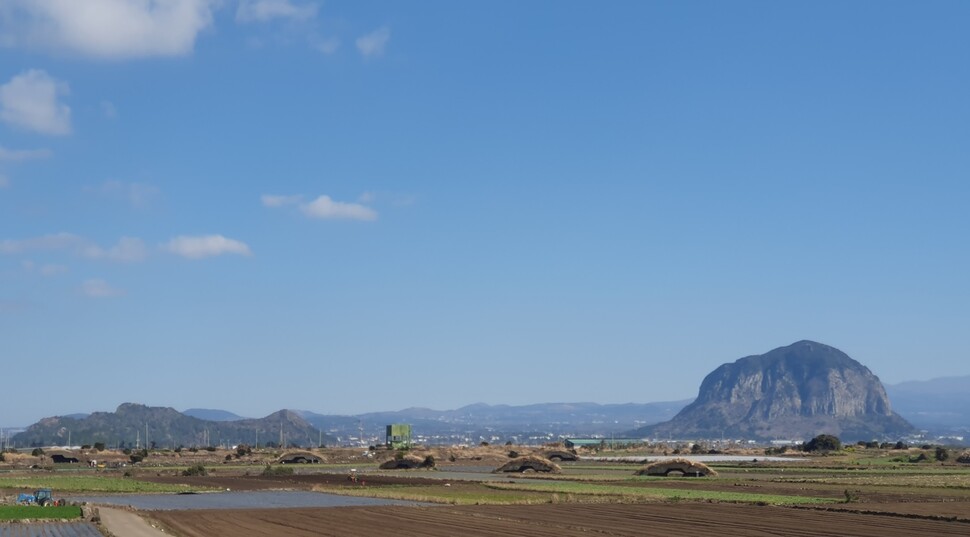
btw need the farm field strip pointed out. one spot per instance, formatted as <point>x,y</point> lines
<point>572,520</point>
<point>75,529</point>
<point>89,483</point>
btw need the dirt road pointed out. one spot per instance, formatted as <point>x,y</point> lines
<point>123,523</point>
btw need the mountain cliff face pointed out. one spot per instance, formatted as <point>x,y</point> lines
<point>793,392</point>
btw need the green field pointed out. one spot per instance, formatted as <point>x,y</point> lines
<point>88,483</point>
<point>35,512</point>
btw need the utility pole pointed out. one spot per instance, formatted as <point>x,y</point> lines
<point>281,434</point>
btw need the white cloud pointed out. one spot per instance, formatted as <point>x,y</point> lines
<point>56,241</point>
<point>49,269</point>
<point>52,269</point>
<point>29,100</point>
<point>205,246</point>
<point>127,250</point>
<point>96,288</point>
<point>327,46</point>
<point>136,194</point>
<point>270,200</point>
<point>266,10</point>
<point>324,207</point>
<point>111,29</point>
<point>373,44</point>
<point>18,155</point>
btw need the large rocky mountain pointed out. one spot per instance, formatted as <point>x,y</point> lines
<point>793,392</point>
<point>168,428</point>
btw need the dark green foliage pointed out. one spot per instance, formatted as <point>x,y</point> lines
<point>37,452</point>
<point>198,469</point>
<point>243,450</point>
<point>823,443</point>
<point>428,462</point>
<point>942,454</point>
<point>99,446</point>
<point>513,454</point>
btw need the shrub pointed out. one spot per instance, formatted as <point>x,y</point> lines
<point>99,446</point>
<point>513,454</point>
<point>198,469</point>
<point>2,457</point>
<point>210,448</point>
<point>278,470</point>
<point>86,446</point>
<point>919,458</point>
<point>37,452</point>
<point>964,458</point>
<point>900,445</point>
<point>942,454</point>
<point>823,443</point>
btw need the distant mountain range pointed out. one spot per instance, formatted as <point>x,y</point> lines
<point>941,405</point>
<point>133,425</point>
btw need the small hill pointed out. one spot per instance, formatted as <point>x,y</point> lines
<point>166,427</point>
<point>793,392</point>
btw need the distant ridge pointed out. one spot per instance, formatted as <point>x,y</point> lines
<point>210,414</point>
<point>941,405</point>
<point>793,392</point>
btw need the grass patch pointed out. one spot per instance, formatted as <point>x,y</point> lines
<point>647,493</point>
<point>77,483</point>
<point>36,512</point>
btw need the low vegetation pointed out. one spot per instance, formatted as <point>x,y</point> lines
<point>87,483</point>
<point>35,512</point>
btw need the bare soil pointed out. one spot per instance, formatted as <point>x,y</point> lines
<point>552,520</point>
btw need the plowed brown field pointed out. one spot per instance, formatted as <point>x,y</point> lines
<point>552,520</point>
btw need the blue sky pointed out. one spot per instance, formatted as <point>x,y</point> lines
<point>357,206</point>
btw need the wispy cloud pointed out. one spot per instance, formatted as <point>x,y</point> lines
<point>199,247</point>
<point>136,194</point>
<point>56,241</point>
<point>30,101</point>
<point>127,250</point>
<point>323,207</point>
<point>48,269</point>
<point>109,110</point>
<point>327,45</point>
<point>18,155</point>
<point>267,10</point>
<point>113,29</point>
<point>373,44</point>
<point>270,200</point>
<point>97,288</point>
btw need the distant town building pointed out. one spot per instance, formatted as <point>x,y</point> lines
<point>398,436</point>
<point>609,443</point>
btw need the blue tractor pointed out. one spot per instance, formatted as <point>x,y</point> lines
<point>42,497</point>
